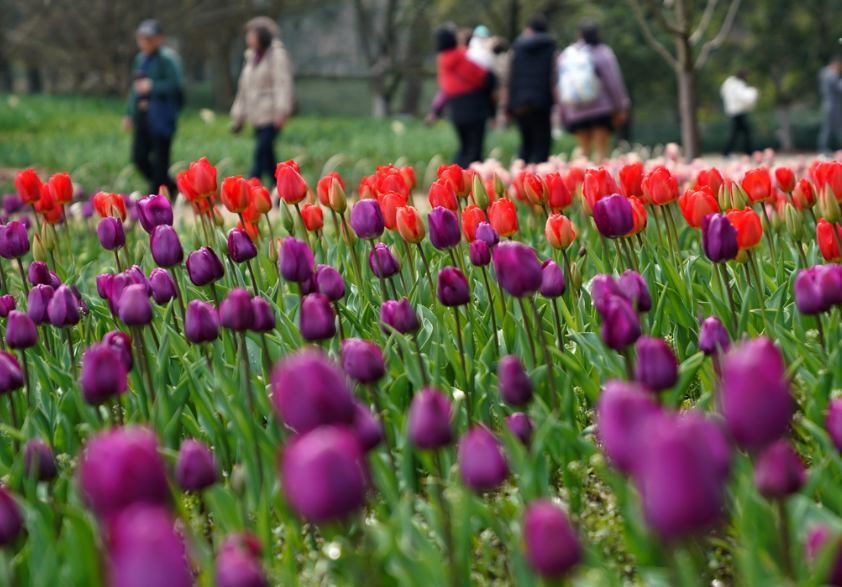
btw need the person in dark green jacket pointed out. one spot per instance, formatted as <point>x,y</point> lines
<point>155,97</point>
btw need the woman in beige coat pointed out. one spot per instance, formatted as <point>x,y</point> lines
<point>265,95</point>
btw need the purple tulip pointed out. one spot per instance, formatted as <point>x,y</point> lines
<point>327,401</point>
<point>366,427</point>
<point>204,267</point>
<point>362,360</point>
<point>88,209</point>
<point>387,261</point>
<point>552,279</point>
<point>513,382</point>
<point>121,467</point>
<point>12,203</point>
<point>754,393</point>
<point>296,260</point>
<point>136,275</point>
<point>829,279</point>
<point>11,377</point>
<point>166,247</point>
<point>452,289</point>
<point>428,421</point>
<point>163,286</point>
<point>11,520</point>
<point>264,315</point>
<point>713,337</point>
<point>479,253</point>
<point>64,308</point>
<point>809,297</point>
<point>236,311</point>
<point>482,465</point>
<point>240,246</point>
<point>444,228</point>
<point>120,343</point>
<point>103,374</point>
<point>144,549</point>
<point>719,238</point>
<point>21,332</point>
<point>329,282</point>
<point>14,242</point>
<point>54,280</point>
<point>657,367</point>
<point>195,468</point>
<point>819,539</point>
<point>38,273</point>
<point>201,324</point>
<point>236,567</point>
<point>134,306</point>
<point>111,234</point>
<point>7,304</point>
<point>710,434</point>
<point>486,233</point>
<point>552,547</point>
<point>317,320</point>
<point>367,219</point>
<point>103,285</point>
<point>153,211</point>
<point>324,473</point>
<point>778,471</point>
<point>635,290</point>
<point>517,268</point>
<point>621,416</point>
<point>602,288</point>
<point>399,315</point>
<point>521,426</point>
<point>39,461</point>
<point>833,422</point>
<point>613,216</point>
<point>620,324</point>
<point>38,303</point>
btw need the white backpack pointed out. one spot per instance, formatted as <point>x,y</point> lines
<point>578,82</point>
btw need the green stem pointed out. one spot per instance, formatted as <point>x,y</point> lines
<point>464,365</point>
<point>559,337</point>
<point>724,272</point>
<point>26,383</point>
<point>446,519</point>
<point>253,278</point>
<point>528,331</point>
<point>493,314</point>
<point>23,278</point>
<point>379,271</point>
<point>420,360</point>
<point>252,416</point>
<point>547,360</point>
<point>759,289</point>
<point>427,269</point>
<point>783,520</point>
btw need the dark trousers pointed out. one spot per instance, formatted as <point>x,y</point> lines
<point>739,126</point>
<point>264,152</point>
<point>535,134</point>
<point>471,139</point>
<point>151,154</point>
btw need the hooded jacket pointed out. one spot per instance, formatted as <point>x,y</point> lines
<point>531,72</point>
<point>466,85</point>
<point>265,91</point>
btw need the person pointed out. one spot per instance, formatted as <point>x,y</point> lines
<point>593,96</point>
<point>481,48</point>
<point>466,90</point>
<point>265,93</point>
<point>739,99</point>
<point>830,88</point>
<point>155,97</point>
<point>528,95</point>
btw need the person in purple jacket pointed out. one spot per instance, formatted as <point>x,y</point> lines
<point>593,96</point>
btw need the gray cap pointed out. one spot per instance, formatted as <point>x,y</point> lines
<point>149,28</point>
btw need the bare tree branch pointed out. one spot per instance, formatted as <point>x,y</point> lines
<point>650,39</point>
<point>717,41</point>
<point>662,20</point>
<point>700,31</point>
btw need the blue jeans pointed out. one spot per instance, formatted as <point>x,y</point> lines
<point>264,152</point>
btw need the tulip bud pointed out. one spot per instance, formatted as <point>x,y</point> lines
<point>39,274</point>
<point>829,206</point>
<point>39,252</point>
<point>382,262</point>
<point>64,308</point>
<point>110,233</point>
<point>103,374</point>
<point>367,219</point>
<point>134,307</point>
<point>238,567</point>
<point>317,319</point>
<point>444,228</point>
<point>486,233</point>
<point>14,242</point>
<point>452,289</point>
<point>575,277</point>
<point>336,197</point>
<point>479,192</point>
<point>479,253</point>
<point>713,337</point>
<point>499,188</point>
<point>195,468</point>
<point>724,198</point>
<point>120,343</point>
<point>482,465</point>
<point>809,297</point>
<point>503,217</point>
<point>513,382</point>
<point>201,324</point>
<point>428,425</point>
<point>39,461</point>
<point>324,474</point>
<point>11,520</point>
<point>204,267</point>
<point>794,223</point>
<point>620,323</point>
<point>552,547</point>
<point>38,302</point>
<point>362,360</point>
<point>410,224</point>
<point>166,247</point>
<point>21,332</point>
<point>559,231</point>
<point>399,315</point>
<point>657,367</point>
<point>613,216</point>
<point>778,471</point>
<point>739,198</point>
<point>521,426</point>
<point>287,220</point>
<point>719,238</point>
<point>7,304</point>
<point>552,279</point>
<point>517,268</point>
<point>235,311</point>
<point>11,377</point>
<point>272,250</point>
<point>296,260</point>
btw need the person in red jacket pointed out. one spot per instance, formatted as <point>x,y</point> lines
<point>467,89</point>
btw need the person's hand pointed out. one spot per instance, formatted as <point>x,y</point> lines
<point>236,126</point>
<point>430,119</point>
<point>618,119</point>
<point>127,124</point>
<point>280,121</point>
<point>143,86</point>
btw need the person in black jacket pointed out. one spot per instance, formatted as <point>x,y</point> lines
<point>530,92</point>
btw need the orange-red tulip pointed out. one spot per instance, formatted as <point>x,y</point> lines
<point>408,174</point>
<point>46,203</point>
<point>639,215</point>
<point>251,229</point>
<point>696,203</point>
<point>503,217</point>
<point>758,185</point>
<point>828,243</point>
<point>313,217</point>
<point>202,178</point>
<point>410,224</point>
<point>389,179</point>
<point>182,180</point>
<point>749,229</point>
<point>260,198</point>
<point>471,217</point>
<point>631,176</point>
<point>660,187</point>
<point>710,178</point>
<point>828,175</point>
<point>559,196</point>
<point>368,188</point>
<point>291,186</point>
<point>785,178</point>
<point>597,184</point>
<point>390,202</point>
<point>28,185</point>
<point>804,195</point>
<point>442,195</point>
<point>110,205</point>
<point>61,188</point>
<point>559,231</point>
<point>535,189</point>
<point>323,187</point>
<point>456,176</point>
<point>235,194</point>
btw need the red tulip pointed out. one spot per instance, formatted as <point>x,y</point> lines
<point>235,194</point>
<point>493,196</point>
<point>559,197</point>
<point>313,217</point>
<point>456,176</point>
<point>631,176</point>
<point>28,185</point>
<point>443,195</point>
<point>368,188</point>
<point>391,180</point>
<point>559,231</point>
<point>251,229</point>
<point>535,189</point>
<point>574,178</point>
<point>110,205</point>
<point>804,195</point>
<point>260,199</point>
<point>61,188</point>
<point>598,184</point>
<point>323,187</point>
<point>749,229</point>
<point>291,186</point>
<point>828,175</point>
<point>639,214</point>
<point>408,174</point>
<point>202,178</point>
<point>710,178</point>
<point>390,203</point>
<point>696,203</point>
<point>758,185</point>
<point>471,217</point>
<point>828,243</point>
<point>410,224</point>
<point>660,187</point>
<point>182,180</point>
<point>46,202</point>
<point>785,179</point>
<point>53,215</point>
<point>503,217</point>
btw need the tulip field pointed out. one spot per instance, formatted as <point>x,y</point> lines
<point>531,375</point>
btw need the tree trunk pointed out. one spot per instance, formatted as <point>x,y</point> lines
<point>380,99</point>
<point>514,19</point>
<point>785,130</point>
<point>687,99</point>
